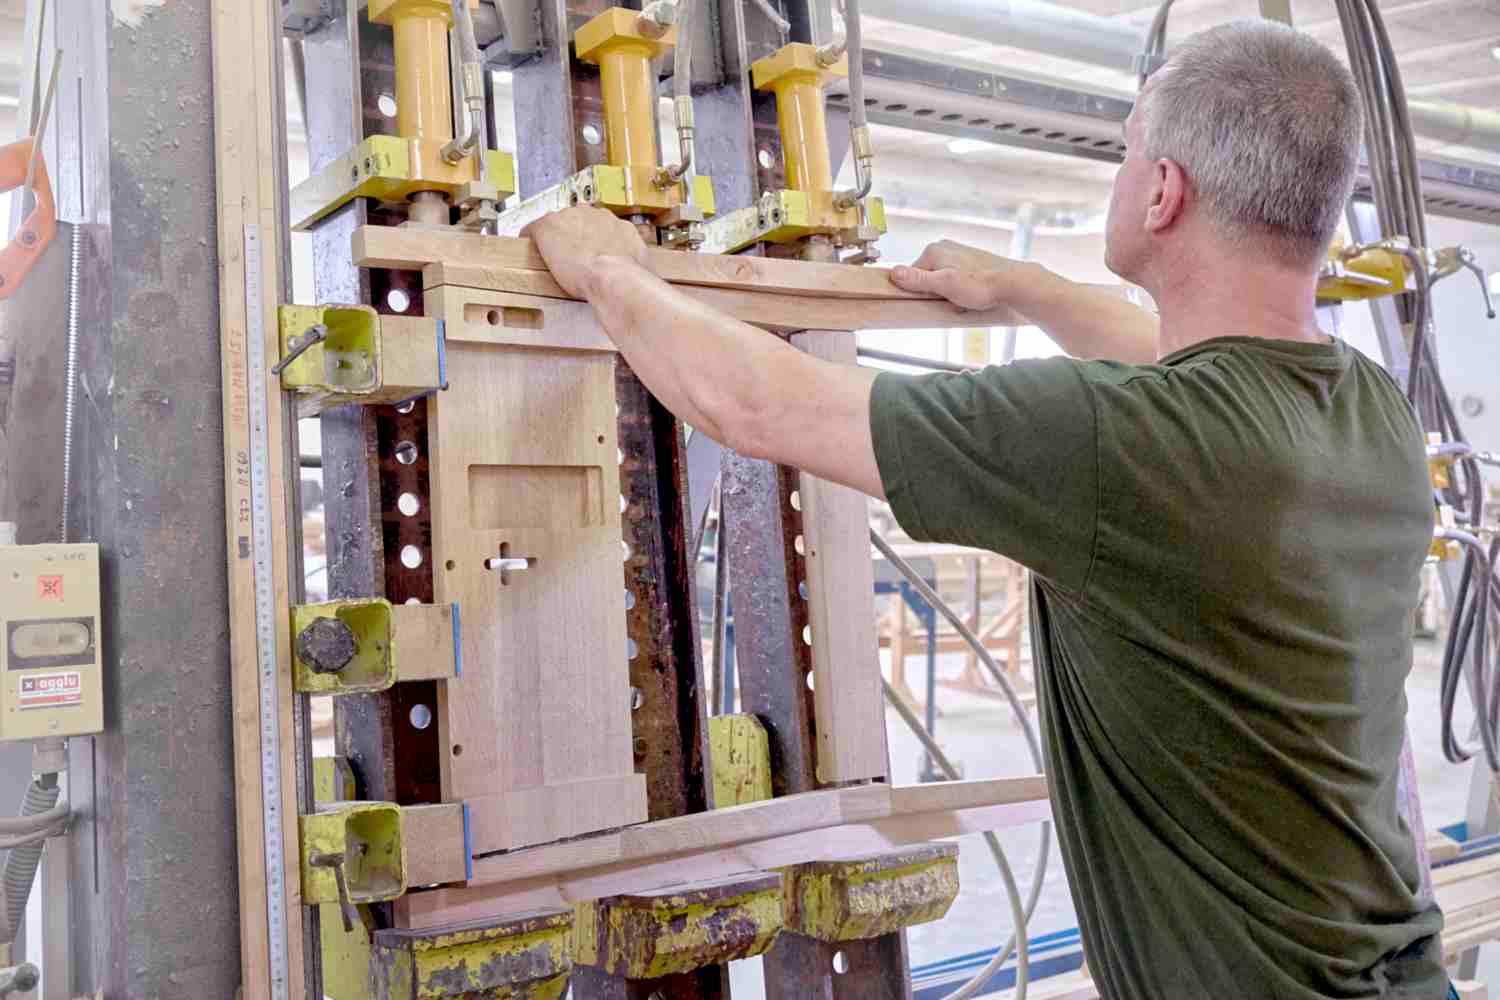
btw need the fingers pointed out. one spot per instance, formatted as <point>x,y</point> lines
<point>932,282</point>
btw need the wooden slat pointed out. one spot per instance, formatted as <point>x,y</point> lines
<point>245,84</point>
<point>841,611</point>
<point>412,249</point>
<point>796,828</point>
<point>709,860</point>
<point>776,294</point>
<point>429,836</point>
<point>422,641</point>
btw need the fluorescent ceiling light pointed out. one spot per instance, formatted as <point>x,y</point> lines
<point>1495,51</point>
<point>7,101</point>
<point>962,146</point>
<point>504,76</point>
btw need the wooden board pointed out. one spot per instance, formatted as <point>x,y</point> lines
<point>775,294</point>
<point>428,835</point>
<point>412,249</point>
<point>812,826</point>
<point>767,310</point>
<point>245,123</point>
<point>841,611</point>
<point>524,462</point>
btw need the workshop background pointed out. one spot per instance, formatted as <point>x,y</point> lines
<point>1049,206</point>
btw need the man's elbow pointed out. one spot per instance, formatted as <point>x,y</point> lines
<point>753,430</point>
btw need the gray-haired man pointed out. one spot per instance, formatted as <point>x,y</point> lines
<point>1226,514</point>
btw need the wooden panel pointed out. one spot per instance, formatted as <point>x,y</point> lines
<point>524,463</point>
<point>486,316</point>
<point>841,611</point>
<point>534,815</point>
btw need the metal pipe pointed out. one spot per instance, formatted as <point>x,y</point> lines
<point>1027,24</point>
<point>1456,123</point>
<point>913,361</point>
<point>1051,29</point>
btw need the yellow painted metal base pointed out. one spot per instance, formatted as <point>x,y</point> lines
<point>650,935</point>
<point>391,169</point>
<point>864,898</point>
<point>741,753</point>
<point>523,958</point>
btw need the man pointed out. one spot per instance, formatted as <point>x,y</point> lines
<point>1225,515</point>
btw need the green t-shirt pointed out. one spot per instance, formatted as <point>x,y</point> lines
<point>1226,548</point>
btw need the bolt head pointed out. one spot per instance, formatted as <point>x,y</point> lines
<point>327,645</point>
<point>28,238</point>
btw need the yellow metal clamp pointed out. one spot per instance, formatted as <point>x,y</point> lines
<point>623,44</point>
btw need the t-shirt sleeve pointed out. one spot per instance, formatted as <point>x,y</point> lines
<point>1004,459</point>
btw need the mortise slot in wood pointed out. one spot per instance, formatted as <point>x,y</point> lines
<point>509,317</point>
<point>535,496</point>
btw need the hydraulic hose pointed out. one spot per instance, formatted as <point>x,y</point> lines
<point>21,864</point>
<point>682,95</point>
<point>859,114</point>
<point>1018,938</point>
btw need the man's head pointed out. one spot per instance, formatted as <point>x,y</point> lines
<point>1247,139</point>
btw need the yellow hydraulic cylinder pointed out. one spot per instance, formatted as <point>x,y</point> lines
<point>424,92</point>
<point>796,76</point>
<point>618,43</point>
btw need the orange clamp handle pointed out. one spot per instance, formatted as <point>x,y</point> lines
<point>37,229</point>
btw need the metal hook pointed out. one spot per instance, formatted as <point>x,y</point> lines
<point>314,335</point>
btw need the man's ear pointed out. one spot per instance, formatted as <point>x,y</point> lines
<point>1168,196</point>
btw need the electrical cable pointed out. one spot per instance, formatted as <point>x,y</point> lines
<point>1396,181</point>
<point>774,16</point>
<point>1018,938</point>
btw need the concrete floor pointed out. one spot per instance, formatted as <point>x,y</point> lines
<point>983,735</point>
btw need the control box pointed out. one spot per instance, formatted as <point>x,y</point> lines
<point>51,679</point>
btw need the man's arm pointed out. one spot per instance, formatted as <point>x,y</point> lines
<point>741,386</point>
<point>1087,323</point>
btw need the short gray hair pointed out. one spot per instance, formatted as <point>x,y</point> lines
<point>1266,124</point>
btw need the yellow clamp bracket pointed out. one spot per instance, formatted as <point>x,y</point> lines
<point>365,645</point>
<point>1368,274</point>
<point>357,844</point>
<point>337,354</point>
<point>391,169</point>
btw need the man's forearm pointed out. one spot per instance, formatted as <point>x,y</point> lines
<point>743,387</point>
<point>1086,322</point>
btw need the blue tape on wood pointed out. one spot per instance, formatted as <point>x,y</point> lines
<point>458,644</point>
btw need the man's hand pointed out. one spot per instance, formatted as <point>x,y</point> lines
<point>579,244</point>
<point>969,278</point>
